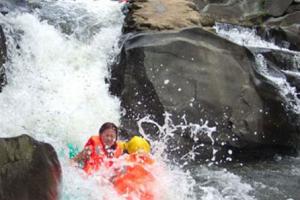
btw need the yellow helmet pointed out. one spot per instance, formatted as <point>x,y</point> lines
<point>137,143</point>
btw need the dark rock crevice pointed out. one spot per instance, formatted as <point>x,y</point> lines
<point>3,55</point>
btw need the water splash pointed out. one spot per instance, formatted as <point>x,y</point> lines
<point>168,130</point>
<point>205,182</point>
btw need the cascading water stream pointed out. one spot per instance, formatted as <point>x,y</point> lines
<point>247,37</point>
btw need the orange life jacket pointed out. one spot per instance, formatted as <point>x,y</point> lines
<point>136,181</point>
<point>97,153</point>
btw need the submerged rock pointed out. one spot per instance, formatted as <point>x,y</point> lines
<point>28,169</point>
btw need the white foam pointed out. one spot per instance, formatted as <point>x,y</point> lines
<point>56,83</point>
<point>244,37</point>
<point>222,185</point>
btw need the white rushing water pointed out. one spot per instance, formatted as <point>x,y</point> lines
<point>244,36</point>
<point>56,85</point>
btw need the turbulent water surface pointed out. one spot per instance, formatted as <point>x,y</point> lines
<point>58,53</point>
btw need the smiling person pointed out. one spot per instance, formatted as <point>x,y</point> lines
<point>100,149</point>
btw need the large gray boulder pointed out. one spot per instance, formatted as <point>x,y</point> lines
<point>199,76</point>
<point>28,169</point>
<point>2,58</point>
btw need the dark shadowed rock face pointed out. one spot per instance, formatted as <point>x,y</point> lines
<point>198,75</point>
<point>2,58</point>
<point>28,169</point>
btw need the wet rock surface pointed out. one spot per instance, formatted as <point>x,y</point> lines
<point>28,169</point>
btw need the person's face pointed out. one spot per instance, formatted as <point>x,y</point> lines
<point>108,137</point>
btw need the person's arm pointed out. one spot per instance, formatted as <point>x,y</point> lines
<point>82,156</point>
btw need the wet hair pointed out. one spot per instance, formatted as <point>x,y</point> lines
<point>108,125</point>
